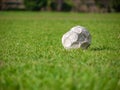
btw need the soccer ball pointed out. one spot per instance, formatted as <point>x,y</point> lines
<point>77,37</point>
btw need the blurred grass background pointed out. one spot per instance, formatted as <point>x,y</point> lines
<point>32,56</point>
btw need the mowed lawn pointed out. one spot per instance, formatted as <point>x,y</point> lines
<point>33,58</point>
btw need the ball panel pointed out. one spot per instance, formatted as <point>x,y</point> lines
<point>66,43</point>
<point>73,37</point>
<point>75,45</point>
<point>77,30</point>
<point>85,45</point>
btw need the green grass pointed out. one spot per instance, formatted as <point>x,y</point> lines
<point>33,58</point>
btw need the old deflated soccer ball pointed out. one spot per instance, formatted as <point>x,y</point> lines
<point>77,37</point>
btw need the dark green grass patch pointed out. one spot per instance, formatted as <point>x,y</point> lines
<point>33,58</point>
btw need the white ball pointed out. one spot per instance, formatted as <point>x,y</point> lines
<point>77,37</point>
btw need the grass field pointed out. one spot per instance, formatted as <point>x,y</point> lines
<point>33,58</point>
